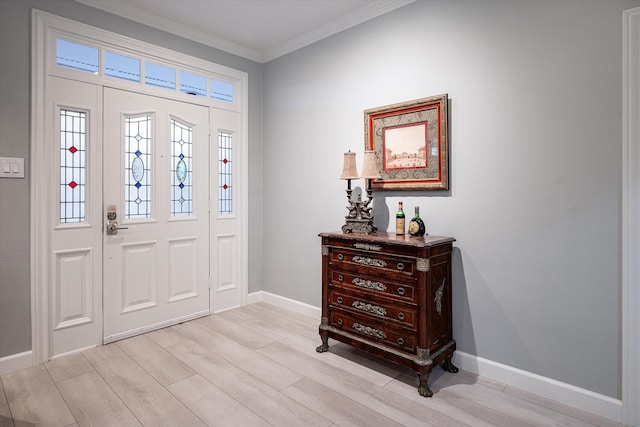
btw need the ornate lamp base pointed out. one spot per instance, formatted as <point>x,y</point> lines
<point>359,219</point>
<point>359,226</point>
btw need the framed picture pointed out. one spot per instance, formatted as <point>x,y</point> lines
<point>411,144</point>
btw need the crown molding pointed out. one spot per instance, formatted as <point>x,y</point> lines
<point>371,11</point>
<point>125,10</point>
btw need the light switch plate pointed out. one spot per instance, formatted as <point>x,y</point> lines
<point>11,167</point>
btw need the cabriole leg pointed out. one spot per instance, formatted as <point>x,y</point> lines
<point>325,345</point>
<point>423,388</point>
<point>448,366</point>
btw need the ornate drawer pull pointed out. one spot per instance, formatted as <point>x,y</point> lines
<point>368,284</point>
<point>373,262</point>
<point>401,341</point>
<point>401,316</point>
<point>400,266</point>
<point>367,247</point>
<point>400,291</point>
<point>340,257</point>
<point>369,308</point>
<point>369,331</point>
<point>340,277</point>
<point>339,300</point>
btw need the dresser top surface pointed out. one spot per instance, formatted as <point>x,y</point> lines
<point>391,238</point>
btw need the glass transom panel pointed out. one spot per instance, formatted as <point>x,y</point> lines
<point>222,91</point>
<point>87,58</point>
<point>77,56</point>
<point>193,84</point>
<point>121,67</point>
<point>159,76</point>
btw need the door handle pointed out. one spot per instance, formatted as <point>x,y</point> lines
<point>112,221</point>
<point>112,227</point>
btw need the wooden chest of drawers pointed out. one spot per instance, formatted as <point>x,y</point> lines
<point>391,296</point>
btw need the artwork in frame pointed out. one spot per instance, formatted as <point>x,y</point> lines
<point>410,140</point>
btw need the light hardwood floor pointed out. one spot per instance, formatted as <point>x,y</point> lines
<point>257,366</point>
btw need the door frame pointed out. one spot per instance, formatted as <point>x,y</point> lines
<point>631,217</point>
<point>45,28</point>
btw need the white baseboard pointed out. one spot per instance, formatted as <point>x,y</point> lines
<point>289,304</point>
<point>15,362</point>
<point>557,391</point>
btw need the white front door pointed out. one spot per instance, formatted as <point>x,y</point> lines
<point>169,172</point>
<point>156,212</point>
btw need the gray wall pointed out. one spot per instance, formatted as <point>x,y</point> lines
<point>535,106</point>
<point>15,75</point>
<point>535,127</point>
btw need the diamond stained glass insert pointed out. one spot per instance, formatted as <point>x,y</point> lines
<point>137,167</point>
<point>73,134</point>
<point>181,169</point>
<point>225,173</point>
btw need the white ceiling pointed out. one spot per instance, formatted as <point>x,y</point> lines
<point>260,30</point>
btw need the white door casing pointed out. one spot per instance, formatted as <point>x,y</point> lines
<point>631,218</point>
<point>66,259</point>
<point>156,268</point>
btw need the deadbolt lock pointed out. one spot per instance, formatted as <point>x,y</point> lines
<point>112,221</point>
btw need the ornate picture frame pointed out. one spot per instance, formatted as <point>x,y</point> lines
<point>411,143</point>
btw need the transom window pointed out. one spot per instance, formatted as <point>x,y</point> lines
<point>90,59</point>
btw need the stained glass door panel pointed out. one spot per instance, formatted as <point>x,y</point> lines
<point>157,265</point>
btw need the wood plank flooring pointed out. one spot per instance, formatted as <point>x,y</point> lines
<point>257,366</point>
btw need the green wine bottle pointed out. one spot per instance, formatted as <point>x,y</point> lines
<point>416,225</point>
<point>400,220</point>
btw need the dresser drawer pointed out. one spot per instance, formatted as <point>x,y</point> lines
<point>373,330</point>
<point>373,247</point>
<point>359,304</point>
<point>396,267</point>
<point>376,286</point>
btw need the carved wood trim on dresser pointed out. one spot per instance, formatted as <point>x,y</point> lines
<point>391,296</point>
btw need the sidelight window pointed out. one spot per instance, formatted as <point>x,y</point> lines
<point>225,173</point>
<point>73,134</point>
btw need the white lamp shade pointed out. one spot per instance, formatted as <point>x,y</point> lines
<point>349,169</point>
<point>370,167</point>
